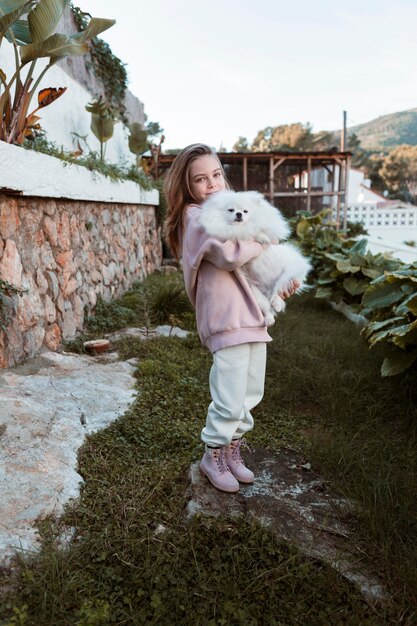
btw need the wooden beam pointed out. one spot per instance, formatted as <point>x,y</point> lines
<point>279,162</point>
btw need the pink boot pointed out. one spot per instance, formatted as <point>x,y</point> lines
<point>235,462</point>
<point>213,465</point>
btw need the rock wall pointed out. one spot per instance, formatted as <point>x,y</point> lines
<point>66,253</point>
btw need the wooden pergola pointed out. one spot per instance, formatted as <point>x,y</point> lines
<point>286,178</point>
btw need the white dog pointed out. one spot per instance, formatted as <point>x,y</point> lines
<point>244,215</point>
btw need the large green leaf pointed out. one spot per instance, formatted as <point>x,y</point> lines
<point>411,304</point>
<point>137,139</point>
<point>55,47</point>
<point>44,18</point>
<point>371,272</point>
<point>10,6</point>
<point>9,13</point>
<point>374,326</point>
<point>102,126</point>
<point>20,33</point>
<point>323,292</point>
<point>405,274</point>
<point>354,286</point>
<point>346,266</point>
<point>359,247</point>
<point>96,26</point>
<point>398,362</point>
<point>405,335</point>
<point>380,295</point>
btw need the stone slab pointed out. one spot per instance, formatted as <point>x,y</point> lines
<point>291,500</point>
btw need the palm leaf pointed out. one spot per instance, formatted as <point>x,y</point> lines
<point>96,26</point>
<point>20,33</point>
<point>54,47</point>
<point>44,18</point>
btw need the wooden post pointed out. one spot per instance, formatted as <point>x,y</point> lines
<point>271,179</point>
<point>245,173</point>
<point>346,194</point>
<point>339,186</point>
<point>308,183</point>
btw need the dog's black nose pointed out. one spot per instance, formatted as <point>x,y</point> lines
<point>238,217</point>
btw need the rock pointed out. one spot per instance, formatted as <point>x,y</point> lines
<point>53,337</point>
<point>171,331</point>
<point>293,502</point>
<point>11,265</point>
<point>43,402</point>
<point>53,283</point>
<point>9,219</point>
<point>50,230</point>
<point>50,310</point>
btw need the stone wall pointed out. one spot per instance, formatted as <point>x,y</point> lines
<point>66,253</point>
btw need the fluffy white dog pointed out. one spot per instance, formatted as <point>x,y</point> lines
<point>244,215</point>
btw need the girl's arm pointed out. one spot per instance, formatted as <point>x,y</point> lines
<point>230,255</point>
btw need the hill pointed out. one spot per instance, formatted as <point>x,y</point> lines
<point>388,131</point>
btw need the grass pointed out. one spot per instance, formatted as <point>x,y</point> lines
<point>324,396</point>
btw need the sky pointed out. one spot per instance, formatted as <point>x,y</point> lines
<point>213,70</point>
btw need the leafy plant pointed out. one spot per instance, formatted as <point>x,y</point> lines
<point>379,287</point>
<point>29,26</point>
<point>102,122</point>
<point>109,69</point>
<point>391,299</point>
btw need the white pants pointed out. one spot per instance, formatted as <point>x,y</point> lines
<point>237,379</point>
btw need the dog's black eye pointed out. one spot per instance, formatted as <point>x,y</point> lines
<point>245,210</point>
<point>231,210</point>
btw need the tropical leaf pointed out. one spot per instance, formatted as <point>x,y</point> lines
<point>20,33</point>
<point>44,18</point>
<point>102,127</point>
<point>96,26</point>
<point>137,139</point>
<point>405,274</point>
<point>56,47</point>
<point>10,11</point>
<point>398,362</point>
<point>48,95</point>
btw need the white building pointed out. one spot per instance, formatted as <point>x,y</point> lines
<point>390,223</point>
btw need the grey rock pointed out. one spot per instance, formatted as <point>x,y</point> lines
<point>44,404</point>
<point>293,502</point>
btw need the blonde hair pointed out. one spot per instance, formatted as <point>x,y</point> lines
<point>177,191</point>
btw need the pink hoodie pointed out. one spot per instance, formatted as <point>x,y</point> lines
<point>227,312</point>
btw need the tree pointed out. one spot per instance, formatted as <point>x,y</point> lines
<point>241,145</point>
<point>399,172</point>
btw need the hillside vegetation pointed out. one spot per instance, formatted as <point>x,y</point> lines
<point>388,131</point>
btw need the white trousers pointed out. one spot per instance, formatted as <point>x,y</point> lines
<point>237,379</point>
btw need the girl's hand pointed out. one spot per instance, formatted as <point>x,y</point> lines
<point>292,288</point>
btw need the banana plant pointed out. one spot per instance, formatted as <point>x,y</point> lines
<point>102,122</point>
<point>29,26</point>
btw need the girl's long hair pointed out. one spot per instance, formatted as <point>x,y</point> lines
<point>177,191</point>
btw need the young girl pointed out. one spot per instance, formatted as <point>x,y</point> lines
<point>229,321</point>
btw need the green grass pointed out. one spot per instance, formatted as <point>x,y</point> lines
<point>324,396</point>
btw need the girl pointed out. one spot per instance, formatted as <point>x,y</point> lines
<point>229,321</point>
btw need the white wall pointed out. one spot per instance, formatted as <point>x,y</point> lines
<point>68,113</point>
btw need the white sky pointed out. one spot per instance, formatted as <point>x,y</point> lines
<point>215,69</point>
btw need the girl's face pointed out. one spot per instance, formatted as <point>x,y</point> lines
<point>205,177</point>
